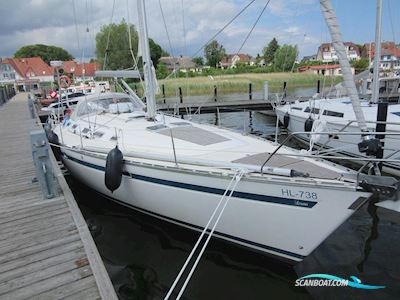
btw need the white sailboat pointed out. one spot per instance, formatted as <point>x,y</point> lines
<point>178,171</point>
<point>338,116</point>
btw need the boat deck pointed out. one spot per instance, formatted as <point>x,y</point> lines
<point>46,250</point>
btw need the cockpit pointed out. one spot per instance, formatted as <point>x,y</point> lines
<point>114,103</point>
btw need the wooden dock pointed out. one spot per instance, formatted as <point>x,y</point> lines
<point>210,107</point>
<point>46,250</point>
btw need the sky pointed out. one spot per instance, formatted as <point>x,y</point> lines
<point>191,23</point>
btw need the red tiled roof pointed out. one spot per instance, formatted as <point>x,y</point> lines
<point>85,69</point>
<point>349,44</point>
<point>30,67</point>
<point>386,47</point>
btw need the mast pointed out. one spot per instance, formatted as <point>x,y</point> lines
<point>377,56</point>
<point>149,80</point>
<point>348,78</point>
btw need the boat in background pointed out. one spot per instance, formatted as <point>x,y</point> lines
<point>336,118</point>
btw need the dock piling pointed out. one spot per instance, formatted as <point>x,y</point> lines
<point>43,167</point>
<point>266,90</point>
<point>31,106</point>
<point>180,95</point>
<point>215,93</point>
<point>250,91</point>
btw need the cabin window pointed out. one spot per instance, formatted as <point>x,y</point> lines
<point>397,113</point>
<point>315,111</point>
<point>98,134</point>
<point>312,110</point>
<point>85,130</point>
<point>180,123</point>
<point>156,127</point>
<point>296,108</point>
<point>333,113</point>
<point>74,126</point>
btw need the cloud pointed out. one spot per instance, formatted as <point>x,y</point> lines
<point>25,22</point>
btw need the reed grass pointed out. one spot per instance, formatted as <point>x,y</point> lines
<point>239,83</point>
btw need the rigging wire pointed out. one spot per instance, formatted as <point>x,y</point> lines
<point>168,37</point>
<point>76,26</point>
<point>224,27</point>
<point>108,37</point>
<point>185,48</point>
<point>391,21</point>
<point>135,61</point>
<point>254,25</point>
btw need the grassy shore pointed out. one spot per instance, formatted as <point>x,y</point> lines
<point>239,83</point>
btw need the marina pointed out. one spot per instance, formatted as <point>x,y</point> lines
<point>140,172</point>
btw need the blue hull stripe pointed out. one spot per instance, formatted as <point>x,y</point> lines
<point>206,189</point>
<point>199,188</point>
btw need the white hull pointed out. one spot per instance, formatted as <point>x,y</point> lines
<point>346,144</point>
<point>263,214</point>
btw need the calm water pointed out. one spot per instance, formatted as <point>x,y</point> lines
<point>143,255</point>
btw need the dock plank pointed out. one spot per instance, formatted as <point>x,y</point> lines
<point>46,250</point>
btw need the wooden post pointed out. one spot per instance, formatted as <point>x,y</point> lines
<point>180,95</point>
<point>2,100</point>
<point>318,86</point>
<point>250,92</point>
<point>215,93</point>
<point>163,92</point>
<point>284,89</point>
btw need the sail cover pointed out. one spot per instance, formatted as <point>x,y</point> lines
<point>348,79</point>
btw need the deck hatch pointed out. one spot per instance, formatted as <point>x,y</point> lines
<point>195,135</point>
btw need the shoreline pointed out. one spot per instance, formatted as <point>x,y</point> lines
<point>238,83</point>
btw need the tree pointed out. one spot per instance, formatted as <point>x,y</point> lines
<point>269,51</point>
<point>214,52</point>
<point>46,52</point>
<point>285,58</point>
<point>360,65</point>
<point>198,61</point>
<point>162,71</point>
<point>115,52</point>
<point>156,52</point>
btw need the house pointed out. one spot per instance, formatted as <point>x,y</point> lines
<point>231,60</point>
<point>31,68</point>
<point>326,52</point>
<point>26,73</point>
<point>309,58</point>
<point>390,55</point>
<point>182,63</point>
<point>7,72</point>
<point>81,71</point>
<point>324,70</point>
